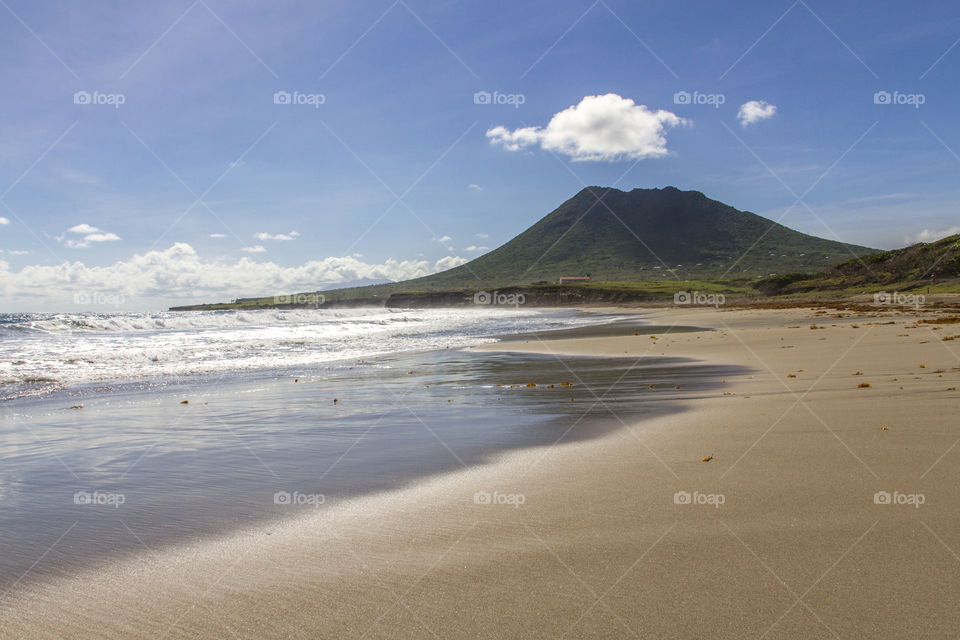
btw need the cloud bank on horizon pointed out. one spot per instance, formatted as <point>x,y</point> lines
<point>605,128</point>
<point>178,272</point>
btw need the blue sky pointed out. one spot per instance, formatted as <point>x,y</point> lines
<point>200,187</point>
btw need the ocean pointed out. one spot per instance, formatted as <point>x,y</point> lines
<point>190,425</point>
<point>43,352</point>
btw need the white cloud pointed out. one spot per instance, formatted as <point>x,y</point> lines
<point>448,262</point>
<point>90,235</point>
<point>481,236</point>
<point>218,235</point>
<point>83,228</point>
<point>604,128</point>
<point>472,248</point>
<point>262,235</point>
<point>474,187</point>
<point>932,236</point>
<point>179,273</point>
<point>255,249</point>
<point>755,111</point>
<point>4,220</point>
<point>17,252</point>
<point>443,239</point>
<point>101,237</point>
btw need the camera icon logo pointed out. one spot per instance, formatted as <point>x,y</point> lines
<point>881,97</point>
<point>681,297</point>
<point>82,497</point>
<point>482,297</point>
<point>482,97</point>
<point>881,497</point>
<point>81,97</point>
<point>81,297</point>
<point>281,97</point>
<point>881,297</point>
<point>281,497</point>
<point>682,497</point>
<point>681,97</point>
<point>481,497</point>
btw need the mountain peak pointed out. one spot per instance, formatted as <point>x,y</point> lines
<point>667,191</point>
<point>647,234</point>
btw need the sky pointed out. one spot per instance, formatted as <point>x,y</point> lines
<point>189,151</point>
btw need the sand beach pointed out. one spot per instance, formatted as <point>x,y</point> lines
<point>811,495</point>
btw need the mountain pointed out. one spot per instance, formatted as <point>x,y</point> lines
<point>923,262</point>
<point>645,234</point>
<point>926,264</point>
<point>642,235</point>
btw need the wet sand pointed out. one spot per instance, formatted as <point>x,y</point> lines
<point>779,535</point>
<point>151,472</point>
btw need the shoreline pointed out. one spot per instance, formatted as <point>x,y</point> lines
<point>52,353</point>
<point>599,547</point>
<point>215,463</point>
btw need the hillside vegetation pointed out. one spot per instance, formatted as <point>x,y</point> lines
<point>933,266</point>
<point>640,236</point>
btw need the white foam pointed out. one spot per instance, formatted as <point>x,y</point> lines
<point>90,347</point>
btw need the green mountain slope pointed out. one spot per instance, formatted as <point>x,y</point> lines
<point>644,234</point>
<point>927,264</point>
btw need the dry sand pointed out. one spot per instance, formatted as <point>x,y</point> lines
<point>600,548</point>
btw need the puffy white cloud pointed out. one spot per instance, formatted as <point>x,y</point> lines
<point>448,262</point>
<point>755,111</point>
<point>931,236</point>
<point>473,247</point>
<point>255,249</point>
<point>4,220</point>
<point>90,233</point>
<point>179,273</point>
<point>516,139</point>
<point>100,237</point>
<point>481,236</point>
<point>83,228</point>
<point>443,239</point>
<point>604,128</point>
<point>474,187</point>
<point>280,236</point>
<point>218,235</point>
